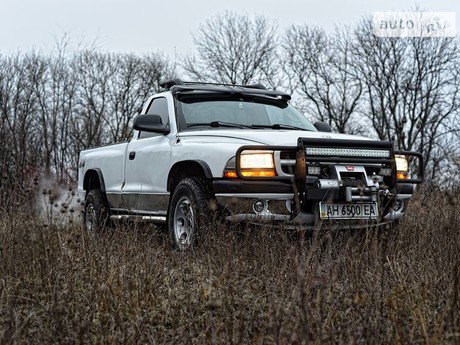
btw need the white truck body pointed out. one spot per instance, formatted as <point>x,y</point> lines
<point>137,178</point>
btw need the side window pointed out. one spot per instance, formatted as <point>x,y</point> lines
<point>159,106</point>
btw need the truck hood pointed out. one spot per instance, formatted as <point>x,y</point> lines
<point>263,136</point>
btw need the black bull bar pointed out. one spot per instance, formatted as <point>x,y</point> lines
<point>302,158</point>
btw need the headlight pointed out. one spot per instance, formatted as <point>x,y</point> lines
<point>252,165</point>
<point>402,167</point>
<point>401,163</point>
<point>257,164</point>
<point>257,161</point>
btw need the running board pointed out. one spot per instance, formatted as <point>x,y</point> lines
<point>147,219</point>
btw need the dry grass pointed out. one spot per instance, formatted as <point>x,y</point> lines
<point>59,285</point>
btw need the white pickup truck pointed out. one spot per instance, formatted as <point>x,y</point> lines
<point>241,153</point>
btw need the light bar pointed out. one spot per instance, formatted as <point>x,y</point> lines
<point>332,151</point>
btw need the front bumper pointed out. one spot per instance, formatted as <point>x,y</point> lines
<point>238,198</point>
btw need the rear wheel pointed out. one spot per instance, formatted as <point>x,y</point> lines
<point>190,208</point>
<point>96,214</point>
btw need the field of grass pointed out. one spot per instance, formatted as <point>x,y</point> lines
<point>59,285</point>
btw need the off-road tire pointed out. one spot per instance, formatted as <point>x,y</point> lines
<point>192,206</point>
<point>96,213</point>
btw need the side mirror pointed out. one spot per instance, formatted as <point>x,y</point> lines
<point>150,123</point>
<point>323,126</point>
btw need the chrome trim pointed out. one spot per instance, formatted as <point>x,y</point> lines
<point>328,184</point>
<point>115,200</point>
<point>303,221</point>
<point>263,196</point>
<point>148,213</point>
<point>146,193</point>
<point>134,212</point>
<point>146,202</point>
<point>361,198</point>
<point>153,219</point>
<point>256,218</point>
<point>404,196</point>
<point>279,163</point>
<point>236,205</point>
<point>287,161</point>
<point>143,202</point>
<point>394,215</point>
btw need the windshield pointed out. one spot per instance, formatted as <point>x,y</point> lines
<point>229,111</point>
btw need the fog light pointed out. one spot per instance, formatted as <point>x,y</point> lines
<point>399,205</point>
<point>259,206</point>
<point>385,172</point>
<point>289,205</point>
<point>314,170</point>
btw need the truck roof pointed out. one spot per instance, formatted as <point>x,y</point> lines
<point>179,86</point>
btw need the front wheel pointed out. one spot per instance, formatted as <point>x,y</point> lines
<point>96,214</point>
<point>190,208</point>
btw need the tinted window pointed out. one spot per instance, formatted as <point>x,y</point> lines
<point>159,106</point>
<point>249,112</point>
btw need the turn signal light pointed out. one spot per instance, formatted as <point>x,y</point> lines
<point>250,173</point>
<point>402,175</point>
<point>230,174</point>
<point>258,173</point>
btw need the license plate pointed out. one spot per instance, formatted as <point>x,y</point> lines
<point>348,211</point>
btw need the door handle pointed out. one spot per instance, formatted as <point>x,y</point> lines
<point>132,155</point>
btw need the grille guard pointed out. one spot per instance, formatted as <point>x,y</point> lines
<point>302,159</point>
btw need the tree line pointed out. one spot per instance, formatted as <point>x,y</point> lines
<point>401,89</point>
<point>52,106</point>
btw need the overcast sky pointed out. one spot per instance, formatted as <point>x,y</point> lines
<point>146,25</point>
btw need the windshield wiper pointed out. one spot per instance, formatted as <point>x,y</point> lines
<point>215,124</point>
<point>279,126</point>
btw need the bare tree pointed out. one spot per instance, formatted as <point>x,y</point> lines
<point>94,74</point>
<point>322,65</point>
<point>412,89</point>
<point>111,89</point>
<point>234,49</point>
<point>407,90</point>
<point>20,156</point>
<point>136,78</point>
<point>55,95</point>
<point>54,105</point>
